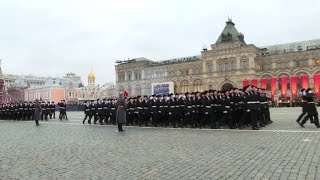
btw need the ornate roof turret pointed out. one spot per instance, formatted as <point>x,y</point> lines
<point>230,34</point>
<point>91,75</point>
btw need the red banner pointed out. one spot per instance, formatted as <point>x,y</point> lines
<point>316,79</point>
<point>245,83</point>
<point>263,83</point>
<point>273,83</point>
<point>294,87</point>
<point>254,82</point>
<point>305,81</point>
<point>284,86</point>
<point>125,94</point>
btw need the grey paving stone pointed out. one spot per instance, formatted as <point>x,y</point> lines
<point>70,150</point>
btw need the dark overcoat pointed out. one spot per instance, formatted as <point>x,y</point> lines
<point>37,111</point>
<point>121,111</point>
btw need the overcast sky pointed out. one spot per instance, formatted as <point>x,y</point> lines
<point>51,38</point>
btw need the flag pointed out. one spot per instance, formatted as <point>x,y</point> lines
<point>125,94</point>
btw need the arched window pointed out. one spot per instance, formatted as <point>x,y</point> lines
<point>198,85</point>
<point>138,89</point>
<point>129,90</point>
<point>148,89</point>
<point>184,86</point>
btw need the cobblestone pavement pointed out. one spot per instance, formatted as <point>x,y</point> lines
<point>70,150</point>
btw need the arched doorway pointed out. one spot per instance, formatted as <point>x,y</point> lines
<point>226,87</point>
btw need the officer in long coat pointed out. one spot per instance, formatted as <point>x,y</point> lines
<point>37,111</point>
<point>121,115</point>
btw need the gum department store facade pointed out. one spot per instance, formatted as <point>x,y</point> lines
<point>283,68</point>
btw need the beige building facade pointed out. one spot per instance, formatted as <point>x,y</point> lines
<point>226,64</point>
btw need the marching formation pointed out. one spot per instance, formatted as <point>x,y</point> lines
<point>235,108</point>
<point>25,111</point>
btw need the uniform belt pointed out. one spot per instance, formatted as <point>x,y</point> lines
<point>87,109</point>
<point>310,102</point>
<point>232,102</point>
<point>62,107</point>
<point>198,105</point>
<point>165,106</point>
<point>253,102</point>
<point>172,107</point>
<point>181,105</point>
<point>177,106</point>
<point>120,106</point>
<point>139,108</point>
<point>99,108</point>
<point>241,102</point>
<point>113,108</point>
<point>154,106</point>
<point>105,108</point>
<point>264,103</point>
<point>131,108</point>
<point>208,106</point>
<point>219,105</point>
<point>189,106</point>
<point>162,106</point>
<point>227,106</point>
<point>145,108</point>
<point>92,108</point>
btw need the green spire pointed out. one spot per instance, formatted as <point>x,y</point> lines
<point>230,34</point>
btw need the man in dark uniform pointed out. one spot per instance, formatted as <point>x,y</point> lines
<point>100,111</point>
<point>310,109</point>
<point>227,111</point>
<point>63,110</point>
<point>266,103</point>
<point>48,110</point>
<point>213,122</point>
<point>16,111</point>
<point>43,111</point>
<point>32,110</point>
<point>181,102</point>
<point>3,112</point>
<point>87,112</point>
<point>20,111</point>
<point>173,116</point>
<point>198,109</point>
<point>106,110</point>
<point>139,111</point>
<point>252,107</point>
<point>130,111</point>
<point>113,110</point>
<point>92,111</point>
<point>166,111</point>
<point>188,118</point>
<point>160,109</point>
<point>52,110</point>
<point>154,110</point>
<point>206,109</point>
<point>146,111</point>
<point>303,95</point>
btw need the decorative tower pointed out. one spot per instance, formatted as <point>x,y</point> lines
<point>1,84</point>
<point>91,79</point>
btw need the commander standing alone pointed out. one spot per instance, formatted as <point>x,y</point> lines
<point>121,112</point>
